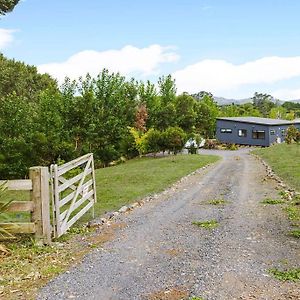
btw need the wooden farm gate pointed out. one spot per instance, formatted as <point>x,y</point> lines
<point>73,191</point>
<point>37,205</point>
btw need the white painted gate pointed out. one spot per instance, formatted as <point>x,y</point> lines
<point>73,191</point>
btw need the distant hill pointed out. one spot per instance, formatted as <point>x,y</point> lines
<point>294,101</point>
<point>220,100</point>
<point>226,101</point>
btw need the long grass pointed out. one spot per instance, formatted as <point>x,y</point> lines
<point>284,159</point>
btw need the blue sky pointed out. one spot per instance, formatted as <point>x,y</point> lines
<point>231,48</point>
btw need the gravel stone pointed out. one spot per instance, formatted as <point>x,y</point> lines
<point>109,215</point>
<point>124,209</point>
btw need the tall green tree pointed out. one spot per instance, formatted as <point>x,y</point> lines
<point>263,102</point>
<point>185,112</point>
<point>16,130</point>
<point>207,111</point>
<point>23,80</point>
<point>277,112</point>
<point>166,113</point>
<point>147,95</point>
<point>248,109</point>
<point>237,110</point>
<point>114,111</point>
<point>201,94</point>
<point>167,89</point>
<point>166,116</point>
<point>293,109</point>
<point>7,6</point>
<point>51,140</point>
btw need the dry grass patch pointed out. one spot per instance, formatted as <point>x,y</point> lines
<point>29,266</point>
<point>171,294</point>
<point>173,252</point>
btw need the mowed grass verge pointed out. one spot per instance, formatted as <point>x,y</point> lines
<point>284,159</point>
<point>125,183</point>
<point>137,178</point>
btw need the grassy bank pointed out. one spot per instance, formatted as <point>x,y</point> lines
<point>285,161</point>
<point>125,183</point>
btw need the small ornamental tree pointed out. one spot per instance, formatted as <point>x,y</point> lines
<point>141,116</point>
<point>153,141</point>
<point>175,139</point>
<point>292,135</point>
<point>139,140</point>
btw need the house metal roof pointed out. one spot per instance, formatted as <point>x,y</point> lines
<point>263,121</point>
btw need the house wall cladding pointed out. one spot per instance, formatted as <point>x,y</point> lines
<point>234,137</point>
<point>273,133</point>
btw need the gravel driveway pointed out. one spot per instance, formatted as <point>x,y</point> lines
<point>160,254</point>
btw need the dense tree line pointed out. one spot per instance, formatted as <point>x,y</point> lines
<point>42,123</point>
<point>263,105</point>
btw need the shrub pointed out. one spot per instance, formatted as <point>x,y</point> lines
<point>128,147</point>
<point>174,139</point>
<point>292,135</point>
<point>231,147</point>
<point>153,141</point>
<point>210,144</point>
<point>192,149</point>
<point>139,140</point>
<point>107,154</point>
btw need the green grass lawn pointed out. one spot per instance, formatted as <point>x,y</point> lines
<point>133,180</point>
<point>285,161</point>
<point>7,196</point>
<point>125,183</point>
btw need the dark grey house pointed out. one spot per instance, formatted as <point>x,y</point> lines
<point>252,130</point>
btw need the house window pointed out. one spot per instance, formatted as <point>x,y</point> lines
<point>282,131</point>
<point>226,130</point>
<point>272,132</point>
<point>242,132</point>
<point>258,134</point>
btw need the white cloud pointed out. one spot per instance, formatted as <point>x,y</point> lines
<point>129,60</point>
<point>224,78</point>
<point>6,37</point>
<point>287,94</point>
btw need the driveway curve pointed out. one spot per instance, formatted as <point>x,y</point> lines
<point>160,254</point>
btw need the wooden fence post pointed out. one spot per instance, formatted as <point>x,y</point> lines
<point>40,198</point>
